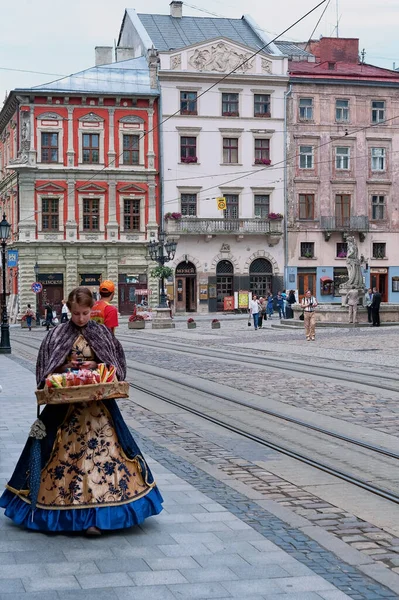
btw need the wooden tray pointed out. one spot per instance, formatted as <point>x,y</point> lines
<point>83,393</point>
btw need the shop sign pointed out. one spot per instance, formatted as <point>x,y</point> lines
<point>47,279</point>
<point>12,258</point>
<point>203,292</point>
<point>212,290</point>
<point>90,279</point>
<point>228,303</point>
<point>243,299</point>
<point>380,271</point>
<point>185,270</point>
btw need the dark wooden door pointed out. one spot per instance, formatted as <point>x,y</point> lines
<point>180,294</point>
<point>52,294</point>
<point>127,298</point>
<point>380,281</point>
<point>306,281</point>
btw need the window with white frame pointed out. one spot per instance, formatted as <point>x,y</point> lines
<point>188,205</point>
<point>231,211</point>
<point>131,214</point>
<point>341,111</point>
<point>131,149</point>
<point>378,159</point>
<point>306,109</point>
<point>91,139</point>
<point>306,157</point>
<point>50,214</point>
<point>342,158</point>
<point>377,111</point>
<point>131,139</point>
<point>230,150</point>
<point>91,214</point>
<point>378,207</point>
<point>262,205</point>
<point>49,147</point>
<point>379,250</point>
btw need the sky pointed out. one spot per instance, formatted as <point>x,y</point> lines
<point>58,38</point>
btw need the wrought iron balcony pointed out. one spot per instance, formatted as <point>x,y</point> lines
<point>359,223</point>
<point>195,226</point>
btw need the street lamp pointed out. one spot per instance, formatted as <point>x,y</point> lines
<point>36,269</point>
<point>162,252</point>
<point>5,347</point>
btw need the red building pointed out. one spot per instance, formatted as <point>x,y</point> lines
<point>79,180</point>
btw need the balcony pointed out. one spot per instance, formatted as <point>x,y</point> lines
<point>345,225</point>
<point>273,228</point>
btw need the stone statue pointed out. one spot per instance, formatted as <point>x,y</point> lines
<point>355,278</point>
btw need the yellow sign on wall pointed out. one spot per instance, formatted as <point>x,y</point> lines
<point>221,203</point>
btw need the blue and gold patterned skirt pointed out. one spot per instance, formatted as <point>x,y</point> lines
<point>92,474</point>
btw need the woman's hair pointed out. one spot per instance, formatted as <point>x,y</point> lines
<point>28,305</point>
<point>82,296</point>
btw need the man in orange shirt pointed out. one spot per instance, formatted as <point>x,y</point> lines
<point>103,312</point>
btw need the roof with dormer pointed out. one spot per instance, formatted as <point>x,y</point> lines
<point>170,33</point>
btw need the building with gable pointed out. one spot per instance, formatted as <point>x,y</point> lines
<point>222,138</point>
<point>79,180</point>
<point>342,169</point>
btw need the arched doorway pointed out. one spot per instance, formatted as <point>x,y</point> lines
<point>186,287</point>
<point>224,282</point>
<point>260,277</point>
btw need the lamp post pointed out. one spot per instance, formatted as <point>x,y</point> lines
<point>36,269</point>
<point>5,346</point>
<point>162,252</point>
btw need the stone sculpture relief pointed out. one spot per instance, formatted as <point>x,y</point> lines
<point>175,62</point>
<point>220,58</point>
<point>267,66</point>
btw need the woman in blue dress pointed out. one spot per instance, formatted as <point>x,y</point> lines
<point>86,473</point>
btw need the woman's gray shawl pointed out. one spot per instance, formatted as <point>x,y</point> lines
<point>58,344</point>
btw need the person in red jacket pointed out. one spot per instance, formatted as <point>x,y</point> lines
<point>103,312</point>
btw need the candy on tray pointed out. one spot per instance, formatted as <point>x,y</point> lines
<point>77,377</point>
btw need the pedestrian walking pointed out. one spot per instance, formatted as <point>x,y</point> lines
<point>280,305</point>
<point>352,300</point>
<point>262,311</point>
<point>289,313</point>
<point>49,315</point>
<point>270,305</point>
<point>254,310</point>
<point>103,312</point>
<point>29,316</point>
<point>375,307</point>
<point>64,312</point>
<point>90,474</point>
<point>368,300</point>
<point>309,304</point>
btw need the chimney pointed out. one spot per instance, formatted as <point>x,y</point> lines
<point>176,9</point>
<point>103,55</point>
<point>124,53</point>
<point>333,50</point>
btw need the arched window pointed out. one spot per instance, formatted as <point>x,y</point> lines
<point>224,282</point>
<point>260,276</point>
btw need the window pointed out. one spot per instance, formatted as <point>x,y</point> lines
<point>188,103</point>
<point>377,208</point>
<point>305,109</point>
<point>231,211</point>
<point>131,150</point>
<point>49,148</point>
<point>230,150</point>
<point>379,250</point>
<point>306,157</point>
<point>377,111</point>
<point>306,207</point>
<point>188,204</point>
<point>342,249</point>
<point>342,158</point>
<point>188,149</point>
<point>262,152</point>
<point>50,214</point>
<point>342,111</point>
<point>262,205</point>
<point>307,249</point>
<point>340,277</point>
<point>131,214</point>
<point>230,105</point>
<point>378,159</point>
<point>342,210</point>
<point>262,105</point>
<point>91,144</point>
<point>91,214</point>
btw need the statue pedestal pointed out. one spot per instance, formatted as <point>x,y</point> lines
<point>343,290</point>
<point>162,319</point>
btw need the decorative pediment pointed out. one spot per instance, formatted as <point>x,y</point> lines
<point>132,188</point>
<point>49,116</point>
<point>222,57</point>
<point>131,119</point>
<point>91,117</point>
<point>50,188</point>
<point>90,187</point>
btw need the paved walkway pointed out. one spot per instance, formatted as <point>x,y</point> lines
<point>202,545</point>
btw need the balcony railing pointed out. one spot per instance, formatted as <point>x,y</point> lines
<point>359,223</point>
<point>232,226</point>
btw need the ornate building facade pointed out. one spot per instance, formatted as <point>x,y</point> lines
<point>79,180</point>
<point>342,170</point>
<point>222,138</point>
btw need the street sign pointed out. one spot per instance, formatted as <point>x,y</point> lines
<point>36,287</point>
<point>221,203</point>
<point>12,258</point>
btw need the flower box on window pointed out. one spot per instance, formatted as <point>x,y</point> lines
<point>189,159</point>
<point>262,115</point>
<point>173,216</point>
<point>230,114</point>
<point>263,161</point>
<point>275,216</point>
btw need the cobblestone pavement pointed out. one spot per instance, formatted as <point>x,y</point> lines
<point>190,551</point>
